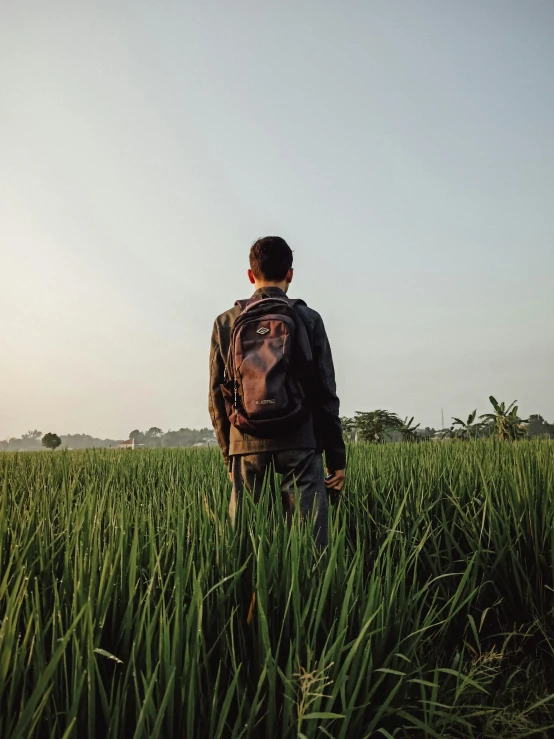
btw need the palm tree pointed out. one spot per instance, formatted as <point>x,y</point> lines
<point>407,430</point>
<point>505,422</point>
<point>468,429</point>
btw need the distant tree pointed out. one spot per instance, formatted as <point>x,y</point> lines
<point>51,441</point>
<point>135,434</point>
<point>34,435</point>
<point>348,426</point>
<point>154,431</point>
<point>84,441</point>
<point>426,433</point>
<point>504,423</point>
<point>467,429</point>
<point>373,426</point>
<point>30,441</point>
<point>539,428</point>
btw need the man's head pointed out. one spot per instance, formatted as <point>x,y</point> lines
<point>270,263</point>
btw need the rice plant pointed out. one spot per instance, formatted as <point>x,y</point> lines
<point>130,607</point>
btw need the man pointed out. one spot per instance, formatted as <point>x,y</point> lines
<point>249,345</point>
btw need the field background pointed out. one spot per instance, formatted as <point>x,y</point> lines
<point>129,607</point>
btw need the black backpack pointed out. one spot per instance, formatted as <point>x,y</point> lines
<point>268,367</point>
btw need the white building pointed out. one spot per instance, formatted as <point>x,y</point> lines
<point>130,444</point>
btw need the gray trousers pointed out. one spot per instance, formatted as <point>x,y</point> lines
<point>303,476</point>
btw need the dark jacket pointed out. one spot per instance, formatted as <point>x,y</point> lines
<point>321,430</point>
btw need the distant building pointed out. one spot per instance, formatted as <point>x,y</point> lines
<point>207,441</point>
<point>130,444</point>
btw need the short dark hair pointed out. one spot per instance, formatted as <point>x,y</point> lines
<point>270,258</point>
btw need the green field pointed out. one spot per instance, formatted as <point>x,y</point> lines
<point>127,608</point>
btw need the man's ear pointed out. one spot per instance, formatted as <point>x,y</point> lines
<point>290,275</point>
<point>251,276</point>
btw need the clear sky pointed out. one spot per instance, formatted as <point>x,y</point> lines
<point>404,149</point>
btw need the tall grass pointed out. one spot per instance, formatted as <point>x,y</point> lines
<point>129,607</point>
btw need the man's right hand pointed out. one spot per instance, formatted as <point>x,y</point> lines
<point>336,481</point>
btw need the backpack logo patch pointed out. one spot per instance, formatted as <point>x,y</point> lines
<point>263,330</point>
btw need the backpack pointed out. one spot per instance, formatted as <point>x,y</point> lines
<point>268,368</point>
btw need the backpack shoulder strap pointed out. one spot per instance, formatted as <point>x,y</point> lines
<point>228,361</point>
<point>297,301</point>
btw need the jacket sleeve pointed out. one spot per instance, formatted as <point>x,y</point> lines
<point>218,412</point>
<point>325,401</point>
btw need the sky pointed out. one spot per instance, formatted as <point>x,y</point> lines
<point>404,150</point>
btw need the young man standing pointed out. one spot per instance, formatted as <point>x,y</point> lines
<point>272,396</point>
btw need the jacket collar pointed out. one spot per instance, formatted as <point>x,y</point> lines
<point>269,290</point>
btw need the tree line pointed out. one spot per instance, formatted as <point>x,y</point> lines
<point>153,438</point>
<point>378,426</point>
<point>503,422</point>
